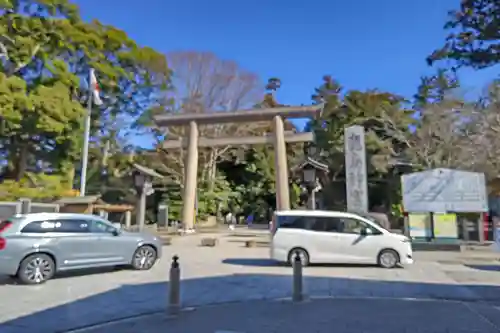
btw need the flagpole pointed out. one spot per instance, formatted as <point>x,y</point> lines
<point>86,139</point>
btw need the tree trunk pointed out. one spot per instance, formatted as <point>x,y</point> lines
<point>71,176</point>
<point>212,170</point>
<point>21,163</point>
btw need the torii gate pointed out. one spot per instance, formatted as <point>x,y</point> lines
<point>278,139</point>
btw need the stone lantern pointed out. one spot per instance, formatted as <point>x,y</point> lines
<point>143,183</point>
<point>312,170</point>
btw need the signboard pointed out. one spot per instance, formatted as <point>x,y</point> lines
<point>355,165</point>
<point>420,225</point>
<point>148,188</point>
<point>162,218</point>
<point>444,190</point>
<point>445,226</point>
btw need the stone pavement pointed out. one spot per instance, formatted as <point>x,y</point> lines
<point>228,273</point>
<point>320,316</point>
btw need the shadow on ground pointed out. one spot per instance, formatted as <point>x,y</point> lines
<point>7,280</point>
<point>137,299</point>
<point>261,262</point>
<point>256,262</point>
<point>491,268</point>
<point>321,316</point>
<point>235,235</point>
<point>256,243</point>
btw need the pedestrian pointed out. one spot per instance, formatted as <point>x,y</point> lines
<point>250,220</point>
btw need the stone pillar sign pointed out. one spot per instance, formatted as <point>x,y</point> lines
<point>355,165</point>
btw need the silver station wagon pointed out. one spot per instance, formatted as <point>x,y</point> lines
<point>34,247</point>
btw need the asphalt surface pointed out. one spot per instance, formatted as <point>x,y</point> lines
<point>322,316</point>
<point>245,283</point>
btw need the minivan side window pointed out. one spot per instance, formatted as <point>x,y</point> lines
<point>295,222</point>
<point>354,226</point>
<point>340,225</point>
<point>326,224</point>
<point>351,226</point>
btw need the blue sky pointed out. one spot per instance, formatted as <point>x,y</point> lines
<point>363,44</point>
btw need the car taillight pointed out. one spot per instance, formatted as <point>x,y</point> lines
<point>3,226</point>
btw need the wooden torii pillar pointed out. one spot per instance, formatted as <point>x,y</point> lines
<point>278,139</point>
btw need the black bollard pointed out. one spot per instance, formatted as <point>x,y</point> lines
<point>174,299</point>
<point>297,294</point>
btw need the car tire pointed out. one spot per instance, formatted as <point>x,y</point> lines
<point>388,258</point>
<point>304,256</point>
<point>144,258</point>
<point>36,269</point>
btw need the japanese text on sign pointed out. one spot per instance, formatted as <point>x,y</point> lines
<point>355,161</point>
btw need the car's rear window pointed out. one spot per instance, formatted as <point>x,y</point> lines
<point>7,224</point>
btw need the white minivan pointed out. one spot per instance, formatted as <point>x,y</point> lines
<point>336,237</point>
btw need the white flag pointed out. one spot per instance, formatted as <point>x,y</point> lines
<point>94,88</point>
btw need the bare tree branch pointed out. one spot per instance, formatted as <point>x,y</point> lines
<point>205,83</point>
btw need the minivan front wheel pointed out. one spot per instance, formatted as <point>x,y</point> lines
<point>303,255</point>
<point>388,258</point>
<point>36,269</point>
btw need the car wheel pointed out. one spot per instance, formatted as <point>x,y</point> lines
<point>303,255</point>
<point>388,259</point>
<point>36,269</point>
<point>144,258</point>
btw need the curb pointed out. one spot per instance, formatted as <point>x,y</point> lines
<point>85,328</point>
<point>307,299</point>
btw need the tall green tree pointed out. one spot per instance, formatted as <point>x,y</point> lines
<point>252,171</point>
<point>384,115</point>
<point>436,88</point>
<point>48,51</point>
<point>440,133</point>
<point>474,35</point>
<point>39,113</point>
<point>386,119</point>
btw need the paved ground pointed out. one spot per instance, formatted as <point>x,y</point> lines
<point>231,273</point>
<point>321,316</point>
